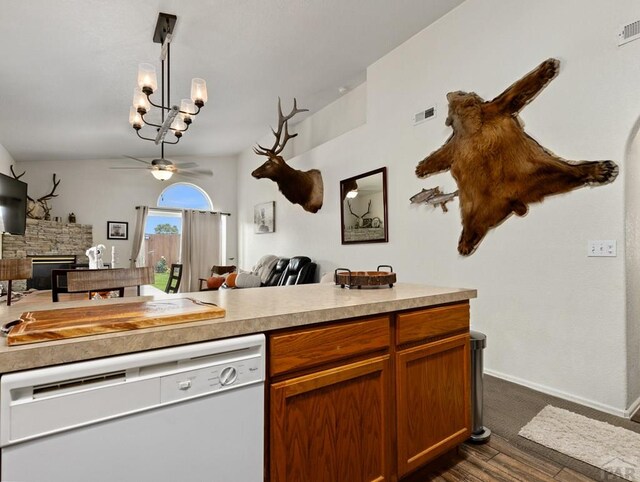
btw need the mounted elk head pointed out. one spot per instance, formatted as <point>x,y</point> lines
<point>38,208</point>
<point>299,187</point>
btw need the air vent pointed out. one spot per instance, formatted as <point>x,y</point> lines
<point>629,32</point>
<point>424,115</point>
<point>78,383</point>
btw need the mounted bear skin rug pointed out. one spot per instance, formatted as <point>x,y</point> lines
<point>499,169</point>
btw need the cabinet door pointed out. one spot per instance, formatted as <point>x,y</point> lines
<point>432,390</point>
<point>332,426</point>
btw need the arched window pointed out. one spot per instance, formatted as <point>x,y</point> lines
<point>184,195</point>
<point>163,230</point>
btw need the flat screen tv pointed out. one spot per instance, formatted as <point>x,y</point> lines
<point>13,205</point>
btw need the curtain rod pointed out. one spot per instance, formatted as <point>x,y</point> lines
<point>180,210</point>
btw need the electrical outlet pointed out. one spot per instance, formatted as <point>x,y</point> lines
<point>602,248</point>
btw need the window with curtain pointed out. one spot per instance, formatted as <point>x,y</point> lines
<point>163,231</point>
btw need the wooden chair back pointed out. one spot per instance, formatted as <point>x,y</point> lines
<point>175,276</point>
<point>59,283</point>
<point>218,270</point>
<point>12,269</point>
<point>108,279</point>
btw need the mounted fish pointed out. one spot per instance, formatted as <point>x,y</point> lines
<point>424,195</point>
<point>435,197</point>
<point>299,187</point>
<point>499,169</point>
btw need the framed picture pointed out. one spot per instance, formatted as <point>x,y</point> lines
<point>117,230</point>
<point>264,217</point>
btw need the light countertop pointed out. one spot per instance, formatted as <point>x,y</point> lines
<point>252,310</point>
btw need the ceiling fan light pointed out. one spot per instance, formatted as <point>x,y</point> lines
<point>135,119</point>
<point>140,101</point>
<point>352,194</point>
<point>147,78</point>
<point>162,174</point>
<point>199,92</point>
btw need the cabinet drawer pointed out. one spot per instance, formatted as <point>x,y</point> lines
<point>315,346</point>
<point>431,322</point>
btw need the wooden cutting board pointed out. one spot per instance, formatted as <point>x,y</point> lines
<point>47,325</point>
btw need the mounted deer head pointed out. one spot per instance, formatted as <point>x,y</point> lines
<point>299,187</point>
<point>38,208</point>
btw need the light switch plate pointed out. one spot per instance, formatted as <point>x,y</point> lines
<point>602,248</point>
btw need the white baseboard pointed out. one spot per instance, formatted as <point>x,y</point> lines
<point>566,396</point>
<point>633,408</point>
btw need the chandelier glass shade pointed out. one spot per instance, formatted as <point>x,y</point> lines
<point>175,119</point>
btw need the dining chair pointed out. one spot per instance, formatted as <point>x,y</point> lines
<point>175,276</point>
<point>14,269</point>
<point>216,270</point>
<point>94,280</point>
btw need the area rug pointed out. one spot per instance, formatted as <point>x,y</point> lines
<point>613,449</point>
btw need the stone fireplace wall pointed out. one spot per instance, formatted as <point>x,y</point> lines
<point>48,237</point>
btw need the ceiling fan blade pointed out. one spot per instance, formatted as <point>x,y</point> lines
<point>144,168</point>
<point>200,172</point>
<point>186,174</point>
<point>136,159</point>
<point>185,165</point>
<point>192,174</point>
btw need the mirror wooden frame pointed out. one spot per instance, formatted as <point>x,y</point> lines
<point>374,234</point>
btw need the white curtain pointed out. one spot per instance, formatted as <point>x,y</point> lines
<point>200,247</point>
<point>138,236</point>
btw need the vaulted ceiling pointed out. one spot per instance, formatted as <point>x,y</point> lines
<point>68,67</point>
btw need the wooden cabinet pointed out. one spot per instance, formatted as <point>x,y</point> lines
<point>370,399</point>
<point>311,347</point>
<point>432,383</point>
<point>332,425</point>
<point>432,393</point>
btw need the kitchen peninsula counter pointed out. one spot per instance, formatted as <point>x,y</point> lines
<point>362,370</point>
<point>253,310</point>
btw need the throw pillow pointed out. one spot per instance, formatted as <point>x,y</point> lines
<point>215,282</point>
<point>247,280</point>
<point>231,280</point>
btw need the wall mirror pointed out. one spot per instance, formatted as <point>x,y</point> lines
<point>363,208</point>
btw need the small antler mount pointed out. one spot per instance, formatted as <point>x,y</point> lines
<point>39,208</point>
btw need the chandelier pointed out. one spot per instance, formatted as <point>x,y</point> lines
<point>175,119</point>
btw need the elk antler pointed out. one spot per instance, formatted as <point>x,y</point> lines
<point>283,122</point>
<point>359,217</point>
<point>51,194</point>
<point>18,177</point>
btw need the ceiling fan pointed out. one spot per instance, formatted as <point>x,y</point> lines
<point>162,169</point>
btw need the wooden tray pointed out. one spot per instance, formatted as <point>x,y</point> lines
<point>357,279</point>
<point>47,325</point>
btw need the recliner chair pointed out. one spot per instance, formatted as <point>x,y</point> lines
<point>300,270</point>
<point>276,274</point>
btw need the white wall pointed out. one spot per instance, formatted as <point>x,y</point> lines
<point>555,319</point>
<point>632,225</point>
<point>97,194</point>
<point>5,161</point>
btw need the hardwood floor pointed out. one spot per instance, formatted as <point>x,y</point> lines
<point>497,460</point>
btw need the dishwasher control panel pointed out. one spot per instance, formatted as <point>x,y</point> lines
<point>193,383</point>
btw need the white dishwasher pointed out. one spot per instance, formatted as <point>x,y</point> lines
<point>190,413</point>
